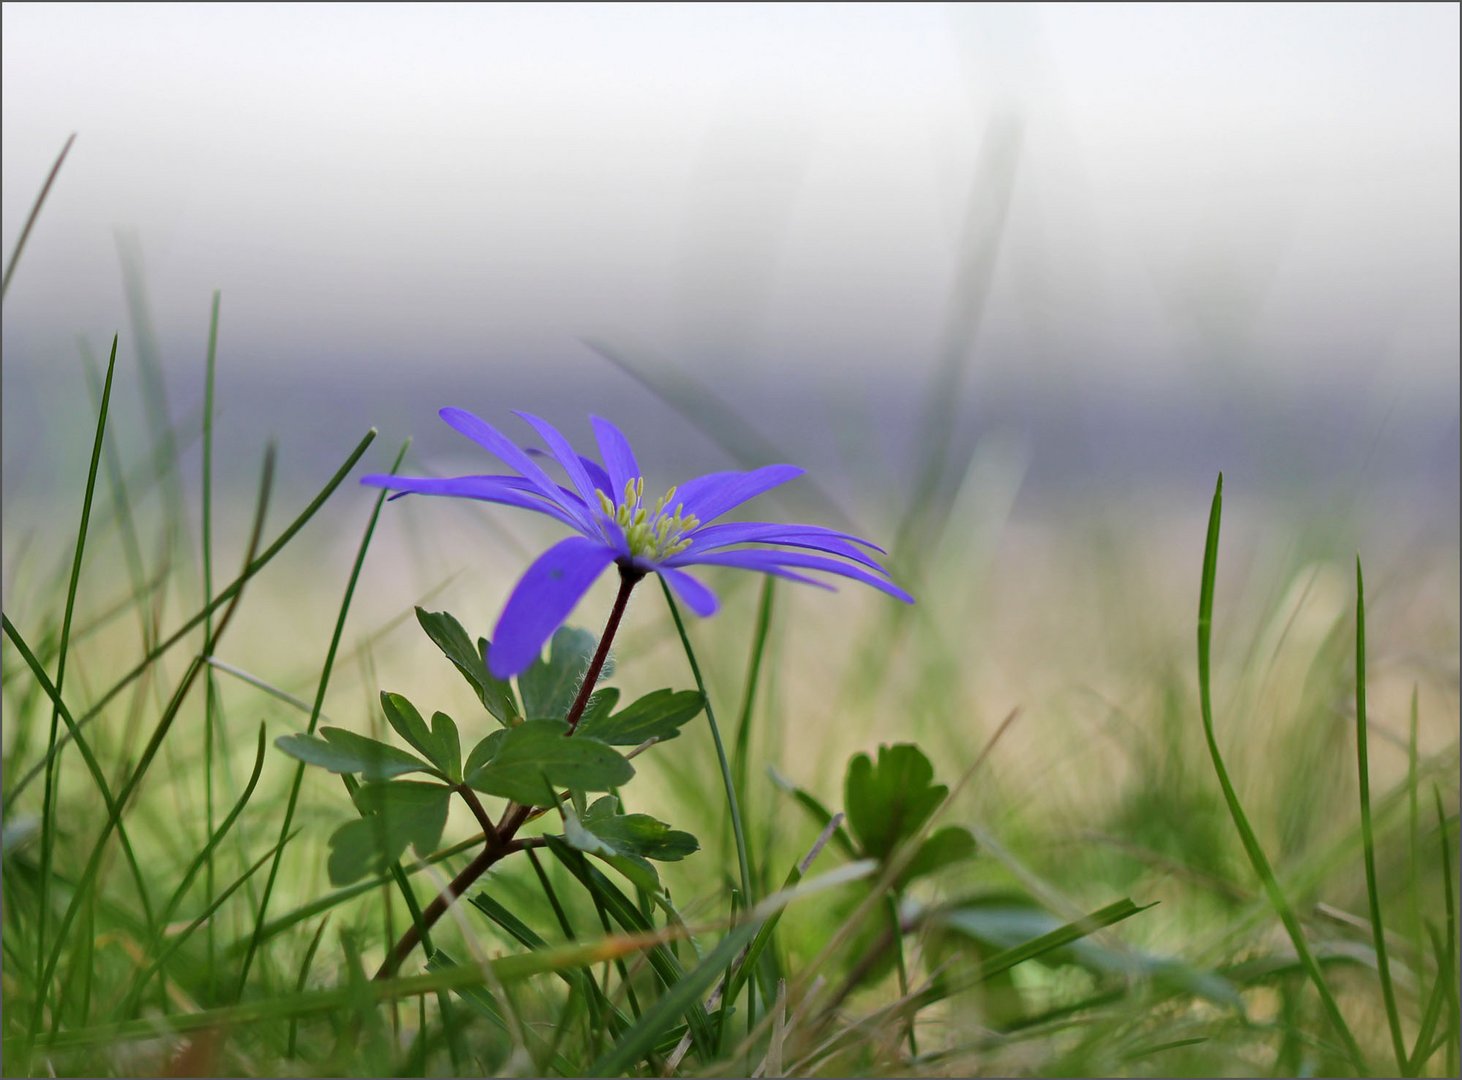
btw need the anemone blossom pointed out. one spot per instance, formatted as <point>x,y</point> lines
<point>605,505</point>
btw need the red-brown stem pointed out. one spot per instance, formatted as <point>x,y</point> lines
<point>499,838</point>
<point>438,907</point>
<point>628,579</point>
<point>478,811</point>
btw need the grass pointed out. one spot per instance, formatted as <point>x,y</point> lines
<point>1234,862</point>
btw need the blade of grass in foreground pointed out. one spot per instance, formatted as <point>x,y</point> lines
<point>688,992</point>
<point>84,888</point>
<point>909,1006</point>
<point>624,912</point>
<point>1449,954</point>
<point>733,807</point>
<point>299,772</point>
<point>1257,858</point>
<point>1368,843</point>
<point>226,595</point>
<point>92,765</point>
<point>48,804</point>
<point>210,682</point>
<point>199,860</point>
<point>505,969</point>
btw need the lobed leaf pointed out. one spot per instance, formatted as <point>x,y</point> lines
<point>495,694</point>
<point>638,834</point>
<point>627,841</point>
<point>393,816</point>
<point>548,686</point>
<point>343,751</point>
<point>518,762</point>
<point>887,803</point>
<point>658,715</point>
<point>439,742</point>
<point>944,847</point>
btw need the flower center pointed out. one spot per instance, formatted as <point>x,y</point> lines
<point>652,534</point>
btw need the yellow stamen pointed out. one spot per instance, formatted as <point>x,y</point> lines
<point>653,534</point>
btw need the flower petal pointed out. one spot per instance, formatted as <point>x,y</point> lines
<point>710,496</point>
<point>508,490</point>
<point>542,600</point>
<point>619,459</point>
<point>769,561</point>
<point>495,442</point>
<point>815,537</point>
<point>567,456</point>
<point>696,596</point>
<point>599,476</point>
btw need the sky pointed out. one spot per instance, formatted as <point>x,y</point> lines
<point>1174,198</point>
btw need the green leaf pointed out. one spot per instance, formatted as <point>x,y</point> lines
<point>439,742</point>
<point>521,759</point>
<point>598,706</point>
<point>394,815</point>
<point>449,745</point>
<point>1003,921</point>
<point>627,841</point>
<point>815,810</point>
<point>888,802</point>
<point>657,715</point>
<point>483,752</point>
<point>637,834</point>
<point>548,686</point>
<point>495,694</point>
<point>343,751</point>
<point>944,847</point>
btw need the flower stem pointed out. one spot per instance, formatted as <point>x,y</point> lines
<point>628,579</point>
<point>499,839</point>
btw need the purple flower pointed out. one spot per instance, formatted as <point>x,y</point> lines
<point>606,506</point>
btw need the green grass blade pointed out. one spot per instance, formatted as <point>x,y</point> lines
<point>228,594</point>
<point>121,510</point>
<point>628,916</point>
<point>682,998</point>
<point>207,914</point>
<point>578,980</point>
<point>1431,1014</point>
<point>299,772</point>
<point>1368,844</point>
<point>164,725</point>
<point>1256,855</point>
<point>84,747</point>
<point>741,753</point>
<point>733,807</point>
<point>292,1044</point>
<point>334,899</point>
<point>35,212</point>
<point>1449,954</point>
<point>505,969</point>
<point>483,1003</point>
<point>218,834</point>
<point>210,683</point>
<point>1413,826</point>
<point>48,804</point>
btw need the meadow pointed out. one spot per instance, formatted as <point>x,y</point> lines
<point>1104,801</point>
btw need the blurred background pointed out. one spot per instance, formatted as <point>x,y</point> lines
<point>1015,281</point>
<point>1140,243</point>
